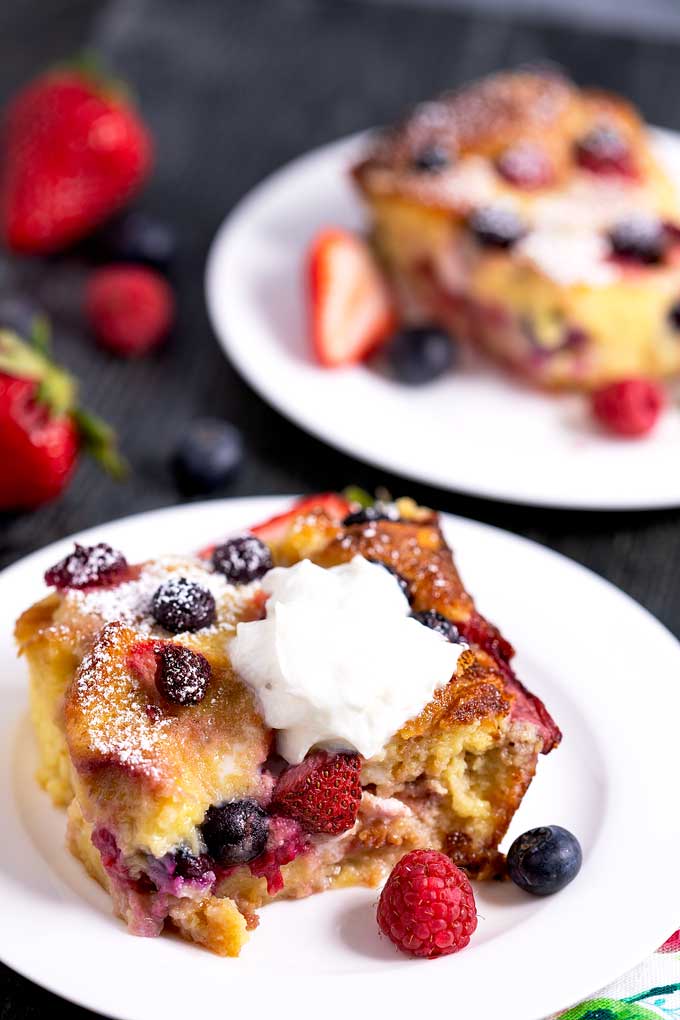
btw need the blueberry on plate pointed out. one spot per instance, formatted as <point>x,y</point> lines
<point>419,355</point>
<point>542,861</point>
<point>236,832</point>
<point>208,455</point>
<point>137,237</point>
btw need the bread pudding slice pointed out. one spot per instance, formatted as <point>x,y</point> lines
<point>533,220</point>
<point>181,803</point>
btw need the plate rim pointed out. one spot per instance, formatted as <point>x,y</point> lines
<point>233,351</point>
<point>270,504</point>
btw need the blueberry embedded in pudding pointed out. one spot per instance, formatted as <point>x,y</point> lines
<point>182,675</point>
<point>432,159</point>
<point>399,578</point>
<point>640,239</point>
<point>496,227</point>
<point>420,355</point>
<point>368,514</point>
<point>604,150</point>
<point>435,621</point>
<point>542,861</point>
<point>674,315</point>
<point>91,566</point>
<point>526,165</point>
<point>243,559</point>
<point>180,605</point>
<point>235,833</point>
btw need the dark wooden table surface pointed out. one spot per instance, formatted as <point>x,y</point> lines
<point>232,89</point>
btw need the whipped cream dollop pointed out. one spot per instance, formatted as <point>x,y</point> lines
<point>338,662</point>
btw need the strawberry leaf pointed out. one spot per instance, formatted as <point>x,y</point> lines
<point>100,441</point>
<point>20,360</point>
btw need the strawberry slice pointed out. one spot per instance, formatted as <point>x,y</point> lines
<point>351,309</point>
<point>273,530</point>
<point>334,506</point>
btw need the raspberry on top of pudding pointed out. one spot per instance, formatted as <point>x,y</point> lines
<point>339,662</point>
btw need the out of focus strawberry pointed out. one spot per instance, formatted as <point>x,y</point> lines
<point>74,152</point>
<point>42,429</point>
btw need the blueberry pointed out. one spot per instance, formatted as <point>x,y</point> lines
<point>642,238</point>
<point>399,578</point>
<point>137,237</point>
<point>367,514</point>
<point>420,355</point>
<point>235,833</point>
<point>181,605</point>
<point>23,317</point>
<point>432,159</point>
<point>435,621</point>
<point>242,559</point>
<point>208,455</point>
<point>182,675</point>
<point>189,867</point>
<point>543,861</point>
<point>496,227</point>
<point>674,315</point>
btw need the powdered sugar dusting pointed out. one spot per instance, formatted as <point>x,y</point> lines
<point>130,602</point>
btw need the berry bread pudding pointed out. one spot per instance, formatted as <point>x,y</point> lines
<point>532,220</point>
<point>287,712</point>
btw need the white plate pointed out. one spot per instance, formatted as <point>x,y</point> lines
<point>609,673</point>
<point>476,430</point>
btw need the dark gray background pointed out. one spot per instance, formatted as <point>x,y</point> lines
<point>232,89</point>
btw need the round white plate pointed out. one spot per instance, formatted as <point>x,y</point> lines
<point>607,670</point>
<point>476,430</point>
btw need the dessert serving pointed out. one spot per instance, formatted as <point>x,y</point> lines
<point>533,219</point>
<point>523,217</point>
<point>296,709</point>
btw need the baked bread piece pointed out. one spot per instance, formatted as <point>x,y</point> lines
<point>142,773</point>
<point>533,220</point>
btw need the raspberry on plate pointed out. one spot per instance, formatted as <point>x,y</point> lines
<point>130,308</point>
<point>630,407</point>
<point>427,907</point>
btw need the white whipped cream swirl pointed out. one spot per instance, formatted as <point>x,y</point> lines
<point>338,662</point>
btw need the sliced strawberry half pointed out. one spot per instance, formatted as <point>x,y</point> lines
<point>351,308</point>
<point>334,506</point>
<point>273,530</point>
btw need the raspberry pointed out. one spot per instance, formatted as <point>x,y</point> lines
<point>322,793</point>
<point>525,165</point>
<point>603,150</point>
<point>88,567</point>
<point>629,407</point>
<point>130,308</point>
<point>427,907</point>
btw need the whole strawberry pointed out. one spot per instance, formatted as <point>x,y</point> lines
<point>322,793</point>
<point>42,430</point>
<point>427,907</point>
<point>74,152</point>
